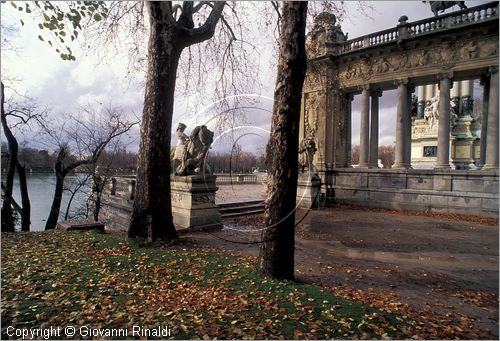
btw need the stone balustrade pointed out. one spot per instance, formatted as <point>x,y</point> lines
<point>378,38</point>
<point>405,30</point>
<point>241,178</point>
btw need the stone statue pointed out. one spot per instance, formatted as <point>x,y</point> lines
<point>182,140</point>
<point>453,114</point>
<point>324,33</point>
<point>437,6</point>
<point>193,159</point>
<point>307,149</point>
<point>431,112</point>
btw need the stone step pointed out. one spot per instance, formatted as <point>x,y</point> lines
<point>241,208</point>
<point>238,214</point>
<point>235,209</point>
<point>240,203</point>
<point>80,225</point>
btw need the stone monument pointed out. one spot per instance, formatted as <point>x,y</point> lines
<point>308,182</point>
<point>193,185</point>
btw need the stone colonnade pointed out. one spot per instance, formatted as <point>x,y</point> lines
<point>455,98</point>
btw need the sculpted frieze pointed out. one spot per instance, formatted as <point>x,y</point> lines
<point>444,56</point>
<point>311,114</point>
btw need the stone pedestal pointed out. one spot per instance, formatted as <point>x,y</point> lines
<point>308,188</point>
<point>424,144</point>
<point>462,148</point>
<point>193,203</point>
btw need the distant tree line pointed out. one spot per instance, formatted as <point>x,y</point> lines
<point>236,162</point>
<point>42,160</point>
<point>385,154</point>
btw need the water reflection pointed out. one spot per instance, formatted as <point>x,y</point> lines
<point>41,188</point>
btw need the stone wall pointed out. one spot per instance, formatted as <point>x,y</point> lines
<point>467,192</point>
<point>116,204</point>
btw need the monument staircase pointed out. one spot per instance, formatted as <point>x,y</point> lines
<point>239,208</point>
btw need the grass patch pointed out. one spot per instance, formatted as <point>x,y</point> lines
<point>96,280</point>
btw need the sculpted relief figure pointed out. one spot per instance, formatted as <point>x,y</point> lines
<point>193,160</point>
<point>311,115</point>
<point>307,149</point>
<point>182,140</point>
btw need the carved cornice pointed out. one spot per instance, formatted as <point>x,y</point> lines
<point>433,58</point>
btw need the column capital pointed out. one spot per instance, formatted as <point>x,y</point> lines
<point>402,81</point>
<point>492,69</point>
<point>485,79</point>
<point>364,87</point>
<point>443,75</point>
<point>376,92</point>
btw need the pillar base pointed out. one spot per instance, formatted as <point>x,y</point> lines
<point>308,187</point>
<point>489,167</point>
<point>442,167</point>
<point>401,166</point>
<point>193,203</point>
<point>363,165</point>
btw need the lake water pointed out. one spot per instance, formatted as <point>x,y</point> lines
<point>41,188</point>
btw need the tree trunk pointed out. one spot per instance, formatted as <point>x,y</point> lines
<point>276,256</point>
<point>56,202</point>
<point>8,223</point>
<point>25,198</point>
<point>152,210</point>
<point>58,192</point>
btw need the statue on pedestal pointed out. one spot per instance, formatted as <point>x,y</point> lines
<point>193,158</point>
<point>182,141</point>
<point>307,149</point>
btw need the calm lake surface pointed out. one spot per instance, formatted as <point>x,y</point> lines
<point>41,188</point>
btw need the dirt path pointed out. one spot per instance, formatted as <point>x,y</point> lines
<point>441,271</point>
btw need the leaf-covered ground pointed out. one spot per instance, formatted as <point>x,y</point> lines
<point>56,279</point>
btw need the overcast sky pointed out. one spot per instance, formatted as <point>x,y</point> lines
<point>63,86</point>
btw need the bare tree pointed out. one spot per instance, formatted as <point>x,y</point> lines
<point>386,154</point>
<point>22,113</point>
<point>276,256</point>
<point>171,30</point>
<point>80,142</point>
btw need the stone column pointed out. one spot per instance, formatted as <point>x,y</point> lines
<point>443,157</point>
<point>402,110</point>
<point>491,159</point>
<point>421,102</point>
<point>429,93</point>
<point>463,144</point>
<point>407,125</point>
<point>364,131</point>
<point>373,159</point>
<point>350,98</point>
<point>485,81</point>
<point>466,101</point>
